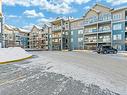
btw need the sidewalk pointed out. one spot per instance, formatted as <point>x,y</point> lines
<point>123,53</point>
<point>84,50</point>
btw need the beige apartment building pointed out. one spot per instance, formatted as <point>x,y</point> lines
<point>14,37</point>
<point>60,34</point>
<point>39,37</point>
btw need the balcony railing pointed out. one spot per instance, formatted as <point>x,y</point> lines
<point>56,28</point>
<point>104,40</point>
<point>91,41</point>
<point>102,31</point>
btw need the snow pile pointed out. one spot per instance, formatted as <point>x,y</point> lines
<point>12,54</point>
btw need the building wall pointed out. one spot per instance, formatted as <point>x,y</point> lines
<point>24,41</point>
<point>8,37</point>
<point>60,34</point>
<point>107,24</point>
<point>118,35</point>
<point>77,39</point>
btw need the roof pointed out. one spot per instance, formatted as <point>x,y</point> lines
<point>120,8</point>
<point>39,27</point>
<point>10,27</point>
<point>23,30</point>
<point>97,4</point>
<point>78,19</point>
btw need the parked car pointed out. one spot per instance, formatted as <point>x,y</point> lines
<point>106,50</point>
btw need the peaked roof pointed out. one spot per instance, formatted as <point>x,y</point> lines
<point>23,30</point>
<point>9,26</point>
<point>38,27</point>
<point>97,4</point>
<point>120,8</point>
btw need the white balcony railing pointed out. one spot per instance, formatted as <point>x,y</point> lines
<point>54,28</point>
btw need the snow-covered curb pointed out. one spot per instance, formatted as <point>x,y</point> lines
<point>123,54</point>
<point>13,54</point>
<point>84,50</point>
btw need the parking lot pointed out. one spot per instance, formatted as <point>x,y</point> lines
<point>65,73</point>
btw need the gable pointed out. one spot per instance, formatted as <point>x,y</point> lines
<point>34,29</point>
<point>97,9</point>
<point>101,9</point>
<point>90,13</point>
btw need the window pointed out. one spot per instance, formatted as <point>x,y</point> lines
<point>103,17</point>
<point>66,33</point>
<point>117,37</point>
<point>80,39</point>
<point>56,40</point>
<point>71,32</point>
<point>71,39</point>
<point>80,32</point>
<point>117,26</point>
<point>117,16</point>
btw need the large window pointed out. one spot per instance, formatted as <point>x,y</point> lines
<point>117,16</point>
<point>104,28</point>
<point>80,32</point>
<point>71,32</point>
<point>117,26</point>
<point>91,20</point>
<point>80,39</point>
<point>117,37</point>
<point>103,17</point>
<point>71,39</point>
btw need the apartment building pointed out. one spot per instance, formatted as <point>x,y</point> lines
<point>60,34</point>
<point>39,37</point>
<point>100,25</point>
<point>119,28</point>
<point>14,37</point>
<point>97,27</point>
<point>35,39</point>
<point>8,36</point>
<point>105,26</point>
<point>46,34</point>
<point>77,34</point>
<point>23,33</point>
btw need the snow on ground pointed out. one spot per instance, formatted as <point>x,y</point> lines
<point>46,69</point>
<point>12,53</point>
<point>85,76</point>
<point>72,70</point>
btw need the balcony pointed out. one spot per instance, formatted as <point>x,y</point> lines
<point>90,33</point>
<point>104,40</point>
<point>104,31</point>
<point>56,28</point>
<point>90,41</point>
<point>89,24</point>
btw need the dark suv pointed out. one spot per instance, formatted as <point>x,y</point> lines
<point>106,50</point>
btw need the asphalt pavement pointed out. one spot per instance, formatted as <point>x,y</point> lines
<point>65,73</point>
